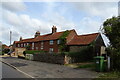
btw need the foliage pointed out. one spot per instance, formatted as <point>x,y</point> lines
<point>114,75</point>
<point>86,66</point>
<point>62,38</point>
<point>85,54</point>
<point>33,51</point>
<point>112,31</point>
<point>5,50</point>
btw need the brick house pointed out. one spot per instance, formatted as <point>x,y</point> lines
<point>50,42</point>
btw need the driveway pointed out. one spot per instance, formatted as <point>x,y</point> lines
<point>47,70</point>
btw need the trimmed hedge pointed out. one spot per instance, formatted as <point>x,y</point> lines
<point>33,51</point>
<point>85,54</point>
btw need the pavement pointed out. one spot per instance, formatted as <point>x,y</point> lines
<point>36,69</point>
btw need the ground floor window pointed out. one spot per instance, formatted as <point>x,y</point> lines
<point>51,50</point>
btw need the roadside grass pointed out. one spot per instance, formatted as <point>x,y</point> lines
<point>82,65</point>
<point>114,75</point>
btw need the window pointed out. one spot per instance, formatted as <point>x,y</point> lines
<point>58,41</point>
<point>42,45</point>
<point>51,50</point>
<point>21,45</point>
<point>24,44</point>
<point>18,45</point>
<point>51,42</point>
<point>33,45</point>
<point>27,44</point>
<point>36,48</point>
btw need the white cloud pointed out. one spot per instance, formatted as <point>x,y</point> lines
<point>88,25</point>
<point>101,9</point>
<point>14,6</point>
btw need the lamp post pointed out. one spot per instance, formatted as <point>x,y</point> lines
<point>10,36</point>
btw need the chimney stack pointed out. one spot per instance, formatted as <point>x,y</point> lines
<point>20,38</point>
<point>54,29</point>
<point>37,34</point>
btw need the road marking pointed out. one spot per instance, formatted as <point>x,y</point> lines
<point>17,69</point>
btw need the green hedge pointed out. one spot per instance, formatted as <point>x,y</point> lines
<point>33,51</point>
<point>85,54</point>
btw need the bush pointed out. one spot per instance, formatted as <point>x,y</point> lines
<point>33,52</point>
<point>115,60</point>
<point>85,54</point>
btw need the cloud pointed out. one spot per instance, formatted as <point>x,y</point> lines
<point>88,25</point>
<point>101,9</point>
<point>14,6</point>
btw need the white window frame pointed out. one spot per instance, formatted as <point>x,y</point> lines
<point>51,50</point>
<point>33,45</point>
<point>27,44</point>
<point>42,44</point>
<point>18,45</point>
<point>21,44</point>
<point>24,44</point>
<point>58,41</point>
<point>36,48</point>
<point>51,42</point>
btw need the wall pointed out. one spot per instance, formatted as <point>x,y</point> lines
<point>49,58</point>
<point>74,48</point>
<point>19,51</point>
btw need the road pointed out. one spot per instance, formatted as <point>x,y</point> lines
<point>9,72</point>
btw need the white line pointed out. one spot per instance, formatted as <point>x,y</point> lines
<point>17,69</point>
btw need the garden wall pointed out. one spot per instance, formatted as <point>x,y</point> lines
<point>49,58</point>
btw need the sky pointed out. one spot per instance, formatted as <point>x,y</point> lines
<point>24,18</point>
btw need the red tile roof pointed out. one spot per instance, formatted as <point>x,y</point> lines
<point>51,36</point>
<point>83,39</point>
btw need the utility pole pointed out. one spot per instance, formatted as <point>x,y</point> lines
<point>10,37</point>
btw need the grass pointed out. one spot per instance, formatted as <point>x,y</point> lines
<point>114,75</point>
<point>86,66</point>
<point>81,65</point>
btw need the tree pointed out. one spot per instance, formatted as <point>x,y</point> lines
<point>112,31</point>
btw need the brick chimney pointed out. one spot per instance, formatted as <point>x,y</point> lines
<point>20,38</point>
<point>54,29</point>
<point>37,34</point>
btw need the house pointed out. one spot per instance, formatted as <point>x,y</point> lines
<point>50,42</point>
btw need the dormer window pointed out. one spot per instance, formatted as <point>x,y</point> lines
<point>51,42</point>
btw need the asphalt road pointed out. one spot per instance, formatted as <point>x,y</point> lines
<point>9,72</point>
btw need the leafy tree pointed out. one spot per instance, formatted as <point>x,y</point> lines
<point>112,31</point>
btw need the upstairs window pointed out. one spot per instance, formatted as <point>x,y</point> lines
<point>58,41</point>
<point>51,42</point>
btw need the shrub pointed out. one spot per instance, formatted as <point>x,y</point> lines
<point>33,51</point>
<point>85,54</point>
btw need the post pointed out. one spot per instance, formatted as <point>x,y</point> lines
<point>10,37</point>
<point>108,60</point>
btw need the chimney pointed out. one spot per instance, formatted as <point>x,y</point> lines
<point>54,29</point>
<point>37,34</point>
<point>20,38</point>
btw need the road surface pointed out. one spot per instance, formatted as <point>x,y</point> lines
<point>9,72</point>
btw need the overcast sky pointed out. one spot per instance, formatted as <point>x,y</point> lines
<point>24,18</point>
